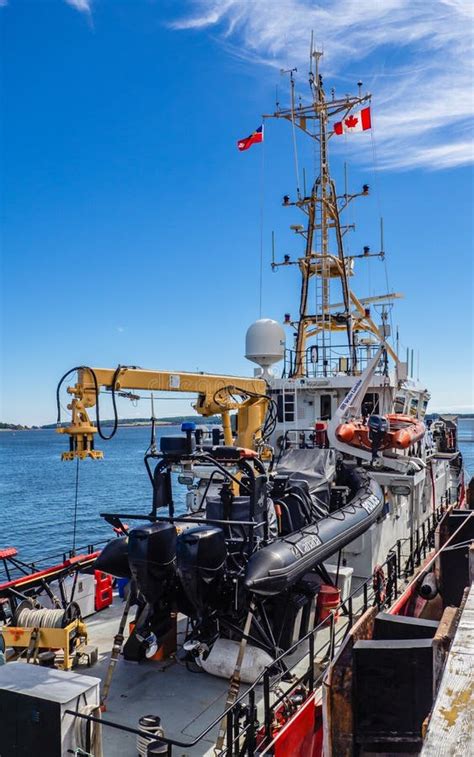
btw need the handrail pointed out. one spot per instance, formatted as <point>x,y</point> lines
<point>244,708</point>
<point>242,721</point>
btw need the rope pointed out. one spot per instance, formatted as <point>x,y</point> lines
<point>262,205</point>
<point>150,724</point>
<point>41,618</point>
<point>80,729</point>
<point>75,508</point>
<point>379,206</point>
<point>234,685</point>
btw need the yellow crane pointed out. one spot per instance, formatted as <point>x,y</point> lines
<point>217,394</point>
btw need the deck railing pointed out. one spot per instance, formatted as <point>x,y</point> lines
<point>331,360</point>
<point>250,723</point>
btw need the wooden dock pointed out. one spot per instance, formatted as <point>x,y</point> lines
<point>451,727</point>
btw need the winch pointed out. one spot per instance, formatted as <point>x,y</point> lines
<point>38,628</point>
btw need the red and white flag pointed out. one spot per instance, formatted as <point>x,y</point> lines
<point>358,121</point>
<point>255,137</point>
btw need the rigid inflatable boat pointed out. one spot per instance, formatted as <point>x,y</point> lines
<point>392,432</point>
<point>276,567</point>
<point>254,538</point>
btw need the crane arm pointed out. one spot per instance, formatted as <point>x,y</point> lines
<point>216,394</point>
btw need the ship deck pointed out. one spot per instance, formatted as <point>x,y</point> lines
<point>187,702</point>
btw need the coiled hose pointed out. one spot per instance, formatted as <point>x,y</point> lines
<point>80,730</point>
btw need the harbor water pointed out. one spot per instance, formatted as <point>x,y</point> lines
<point>38,490</point>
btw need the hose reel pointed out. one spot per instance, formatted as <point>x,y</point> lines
<point>34,628</point>
<point>29,616</point>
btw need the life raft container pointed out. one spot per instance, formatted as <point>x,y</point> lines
<point>403,431</point>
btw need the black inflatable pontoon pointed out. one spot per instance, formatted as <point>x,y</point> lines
<point>277,566</point>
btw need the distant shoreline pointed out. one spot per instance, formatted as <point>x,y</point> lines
<point>201,420</point>
<point>129,423</point>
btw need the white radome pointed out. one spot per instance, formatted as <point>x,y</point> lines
<point>265,342</point>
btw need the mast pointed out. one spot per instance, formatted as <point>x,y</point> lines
<point>324,256</point>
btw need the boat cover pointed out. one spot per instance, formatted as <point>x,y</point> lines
<point>315,466</point>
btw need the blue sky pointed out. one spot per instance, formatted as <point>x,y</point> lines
<point>131,223</point>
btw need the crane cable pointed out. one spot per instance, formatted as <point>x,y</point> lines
<point>117,371</point>
<point>76,497</point>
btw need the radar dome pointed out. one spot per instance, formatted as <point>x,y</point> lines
<point>265,342</point>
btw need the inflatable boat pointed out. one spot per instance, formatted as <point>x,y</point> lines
<point>253,536</point>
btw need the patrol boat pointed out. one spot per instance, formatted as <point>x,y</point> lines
<point>324,481</point>
<point>344,384</point>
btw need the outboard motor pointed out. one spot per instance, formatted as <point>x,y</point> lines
<point>151,555</point>
<point>114,558</point>
<point>201,554</point>
<point>378,427</point>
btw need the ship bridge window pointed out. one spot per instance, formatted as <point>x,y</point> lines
<point>414,406</point>
<point>325,407</point>
<point>399,403</point>
<point>371,404</point>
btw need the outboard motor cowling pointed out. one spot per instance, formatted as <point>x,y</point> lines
<point>114,558</point>
<point>200,558</point>
<point>378,427</point>
<point>152,554</point>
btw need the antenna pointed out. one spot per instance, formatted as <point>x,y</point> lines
<point>311,52</point>
<point>291,71</point>
<point>323,230</point>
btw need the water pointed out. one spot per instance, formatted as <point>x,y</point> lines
<point>466,444</point>
<point>37,489</point>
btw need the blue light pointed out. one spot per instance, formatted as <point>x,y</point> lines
<point>188,426</point>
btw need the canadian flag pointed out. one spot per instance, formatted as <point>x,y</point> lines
<point>358,121</point>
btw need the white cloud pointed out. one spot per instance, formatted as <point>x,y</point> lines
<point>414,55</point>
<point>81,5</point>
